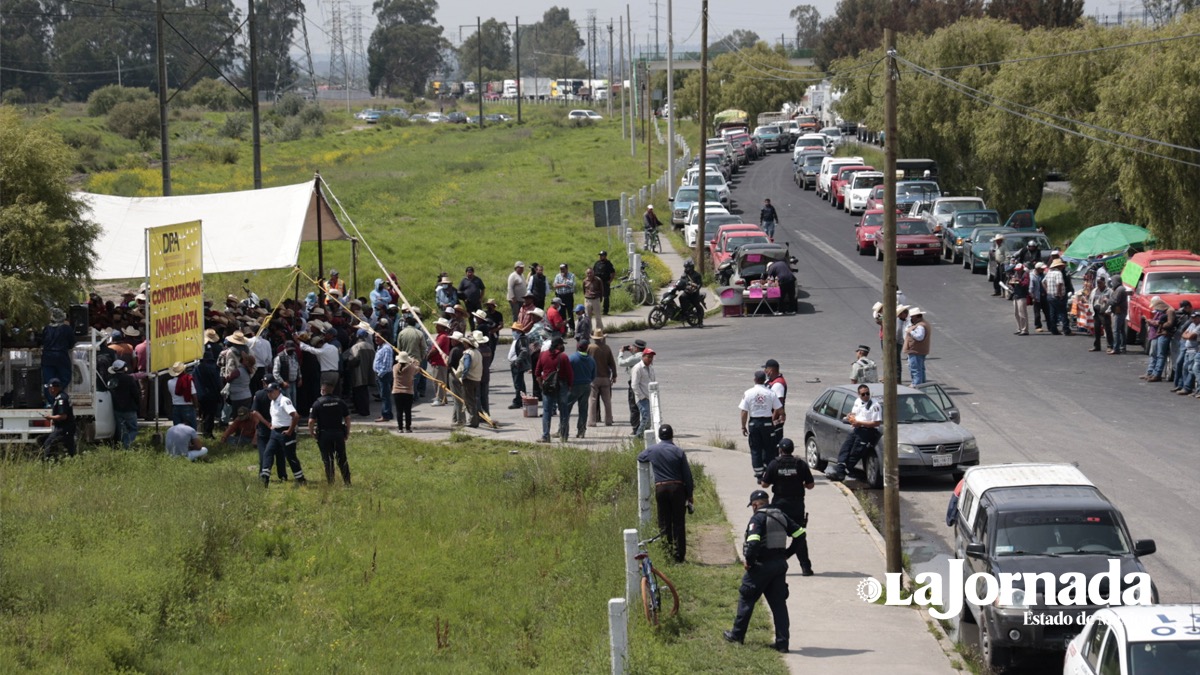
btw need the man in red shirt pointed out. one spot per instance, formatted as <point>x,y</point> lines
<point>437,359</point>
<point>555,319</point>
<point>553,372</point>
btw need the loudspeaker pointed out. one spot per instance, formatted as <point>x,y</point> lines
<point>27,387</point>
<point>79,319</point>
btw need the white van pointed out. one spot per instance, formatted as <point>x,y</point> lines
<point>829,167</point>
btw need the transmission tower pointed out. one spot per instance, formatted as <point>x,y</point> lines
<point>358,65</point>
<point>656,42</point>
<point>339,69</point>
<point>591,45</point>
<point>312,75</point>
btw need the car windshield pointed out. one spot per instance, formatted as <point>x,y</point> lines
<point>1173,282</point>
<point>976,219</point>
<point>873,220</point>
<point>766,130</point>
<point>918,189</point>
<point>831,131</point>
<point>1060,533</point>
<point>744,240</point>
<point>917,408</point>
<point>950,207</point>
<point>912,227</point>
<point>813,162</point>
<point>809,142</point>
<point>715,220</point>
<point>861,182</point>
<point>1174,656</point>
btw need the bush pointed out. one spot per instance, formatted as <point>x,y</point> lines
<point>235,126</point>
<point>213,95</point>
<point>313,114</point>
<point>292,130</point>
<point>290,105</point>
<point>103,100</point>
<point>14,96</point>
<point>132,119</point>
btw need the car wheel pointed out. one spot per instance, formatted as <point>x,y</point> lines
<point>975,269</point>
<point>874,470</point>
<point>956,257</point>
<point>995,658</point>
<point>878,254</point>
<point>813,455</point>
<point>1143,338</point>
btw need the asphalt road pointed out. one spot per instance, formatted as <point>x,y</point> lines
<point>1036,398</point>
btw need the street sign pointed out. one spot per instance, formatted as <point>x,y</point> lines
<point>607,212</point>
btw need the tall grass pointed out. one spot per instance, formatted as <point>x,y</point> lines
<point>455,557</point>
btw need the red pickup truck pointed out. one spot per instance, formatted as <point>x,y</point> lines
<point>836,198</point>
<point>1171,275</point>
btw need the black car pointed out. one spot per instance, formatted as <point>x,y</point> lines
<point>1038,519</point>
<point>457,117</point>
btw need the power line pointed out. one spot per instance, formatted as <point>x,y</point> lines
<point>980,97</point>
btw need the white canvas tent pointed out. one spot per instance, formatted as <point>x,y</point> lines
<point>243,231</point>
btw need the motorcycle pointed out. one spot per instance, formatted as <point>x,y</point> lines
<point>669,308</point>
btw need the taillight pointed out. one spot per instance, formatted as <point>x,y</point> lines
<point>42,423</point>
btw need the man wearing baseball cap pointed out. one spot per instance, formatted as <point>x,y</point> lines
<point>62,420</point>
<point>766,553</point>
<point>650,223</point>
<point>630,356</point>
<point>640,377</point>
<point>564,289</point>
<point>606,273</point>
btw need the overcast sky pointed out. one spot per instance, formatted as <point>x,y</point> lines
<point>768,20</point>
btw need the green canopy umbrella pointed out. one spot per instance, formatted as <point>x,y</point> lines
<point>1106,238</point>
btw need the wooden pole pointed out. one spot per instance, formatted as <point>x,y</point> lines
<point>891,473</point>
<point>698,254</point>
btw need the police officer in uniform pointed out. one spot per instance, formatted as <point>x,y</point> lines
<point>766,552</point>
<point>329,421</point>
<point>761,412</point>
<point>789,477</point>
<point>690,284</point>
<point>62,420</point>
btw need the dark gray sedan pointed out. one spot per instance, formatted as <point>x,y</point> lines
<point>931,443</point>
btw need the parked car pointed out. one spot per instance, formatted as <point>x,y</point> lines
<point>729,237</point>
<point>978,245</point>
<point>372,116</point>
<point>770,138</point>
<point>834,135</point>
<point>808,143</point>
<point>1044,520</point>
<point>749,263</point>
<point>909,191</point>
<point>875,199</point>
<point>692,229</point>
<point>713,180</point>
<point>944,208</point>
<point>837,192</point>
<point>713,222</point>
<point>931,442</point>
<point>361,115</point>
<point>683,200</point>
<point>961,226</point>
<point>866,231</point>
<point>400,113</point>
<point>435,117</point>
<point>457,117</point>
<point>807,169</point>
<point>1135,639</point>
<point>1172,275</point>
<point>578,115</point>
<point>858,190</point>
<point>829,168</point>
<point>915,241</point>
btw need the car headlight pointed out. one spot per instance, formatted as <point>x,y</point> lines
<point>906,449</point>
<point>970,446</point>
<point>1018,600</point>
<point>869,236</point>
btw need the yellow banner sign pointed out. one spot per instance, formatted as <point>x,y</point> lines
<point>176,295</point>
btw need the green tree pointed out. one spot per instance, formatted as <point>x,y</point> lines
<point>277,22</point>
<point>551,46</point>
<point>1033,13</point>
<point>496,52</point>
<point>808,25</point>
<point>737,39</point>
<point>757,79</point>
<point>406,46</point>
<point>25,30</point>
<point>46,246</point>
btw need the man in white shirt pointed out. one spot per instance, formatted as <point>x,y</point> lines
<point>517,288</point>
<point>865,419</point>
<point>640,377</point>
<point>327,359</point>
<point>283,436</point>
<point>761,411</point>
<point>260,348</point>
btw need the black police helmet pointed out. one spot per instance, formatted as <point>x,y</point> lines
<point>665,432</point>
<point>786,446</point>
<point>688,264</point>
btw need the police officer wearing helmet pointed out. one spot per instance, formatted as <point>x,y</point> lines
<point>689,286</point>
<point>766,552</point>
<point>789,477</point>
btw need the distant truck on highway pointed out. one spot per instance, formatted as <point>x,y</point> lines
<point>769,118</point>
<point>529,88</point>
<point>23,399</point>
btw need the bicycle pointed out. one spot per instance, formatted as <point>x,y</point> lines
<point>638,289</point>
<point>651,586</point>
<point>651,240</point>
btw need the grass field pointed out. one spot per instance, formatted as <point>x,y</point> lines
<point>1058,216</point>
<point>427,198</point>
<point>132,562</point>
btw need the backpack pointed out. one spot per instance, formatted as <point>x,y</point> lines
<point>550,383</point>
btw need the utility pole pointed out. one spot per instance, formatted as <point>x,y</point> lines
<point>670,105</point>
<point>699,252</point>
<point>517,49</point>
<point>608,94</point>
<point>624,94</point>
<point>656,42</point>
<point>632,83</point>
<point>479,61</point>
<point>649,116</point>
<point>252,25</point>
<point>891,473</point>
<point>162,99</point>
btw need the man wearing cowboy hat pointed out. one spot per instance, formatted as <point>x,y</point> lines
<point>564,290</point>
<point>484,344</point>
<point>606,377</point>
<point>238,364</point>
<point>454,380</point>
<point>917,338</point>
<point>524,312</point>
<point>996,263</point>
<point>630,356</point>
<point>495,318</point>
<point>519,361</point>
<point>286,370</point>
<point>125,397</point>
<point>445,294</point>
<point>327,358</point>
<point>404,389</point>
<point>182,391</point>
<point>593,298</point>
<point>58,339</point>
<point>517,287</point>
<point>385,358</point>
<point>437,359</point>
<point>470,373</point>
<point>1057,293</point>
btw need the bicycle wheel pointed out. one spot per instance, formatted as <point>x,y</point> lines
<point>638,293</point>
<point>650,602</point>
<point>647,294</point>
<point>656,595</point>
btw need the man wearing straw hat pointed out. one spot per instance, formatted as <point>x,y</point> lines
<point>1057,293</point>
<point>518,363</point>
<point>470,374</point>
<point>606,377</point>
<point>486,351</point>
<point>917,339</point>
<point>58,339</point>
<point>403,389</point>
<point>183,395</point>
<point>437,359</point>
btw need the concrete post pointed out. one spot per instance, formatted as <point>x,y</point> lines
<point>635,261</point>
<point>645,482</point>
<point>632,574</point>
<point>618,636</point>
<point>624,206</point>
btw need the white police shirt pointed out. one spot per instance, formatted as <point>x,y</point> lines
<point>867,411</point>
<point>760,401</point>
<point>281,412</point>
